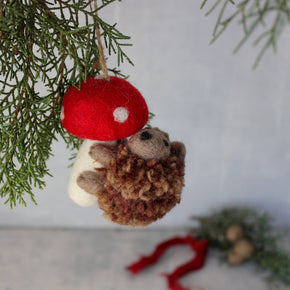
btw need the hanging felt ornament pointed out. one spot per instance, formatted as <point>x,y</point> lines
<point>135,181</point>
<point>100,112</point>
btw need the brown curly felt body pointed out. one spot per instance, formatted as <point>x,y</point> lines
<point>138,192</point>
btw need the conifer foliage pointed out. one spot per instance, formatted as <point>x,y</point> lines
<point>46,46</point>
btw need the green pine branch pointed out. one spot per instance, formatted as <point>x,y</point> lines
<point>262,19</point>
<point>52,43</point>
<point>257,227</point>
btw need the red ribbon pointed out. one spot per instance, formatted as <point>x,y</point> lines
<point>199,247</point>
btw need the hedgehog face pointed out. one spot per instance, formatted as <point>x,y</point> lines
<point>150,144</point>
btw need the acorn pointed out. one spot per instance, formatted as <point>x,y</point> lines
<point>242,251</point>
<point>234,233</point>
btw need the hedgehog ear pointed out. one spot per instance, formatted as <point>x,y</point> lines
<point>164,133</point>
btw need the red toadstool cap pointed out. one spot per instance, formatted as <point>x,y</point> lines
<point>104,110</point>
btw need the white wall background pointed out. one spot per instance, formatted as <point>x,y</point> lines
<point>234,121</point>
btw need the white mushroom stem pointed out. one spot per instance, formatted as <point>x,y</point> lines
<point>82,163</point>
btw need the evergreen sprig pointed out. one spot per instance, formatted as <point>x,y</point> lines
<point>52,43</point>
<point>265,19</point>
<point>258,229</point>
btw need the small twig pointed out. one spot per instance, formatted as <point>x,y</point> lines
<point>220,17</point>
<point>24,89</point>
<point>1,14</point>
<point>17,108</point>
<point>212,8</point>
<point>63,54</point>
<point>45,7</point>
<point>203,3</point>
<point>101,51</point>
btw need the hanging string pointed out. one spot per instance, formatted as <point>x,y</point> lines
<point>101,51</point>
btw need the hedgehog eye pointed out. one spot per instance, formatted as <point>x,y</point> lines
<point>145,136</point>
<point>165,143</point>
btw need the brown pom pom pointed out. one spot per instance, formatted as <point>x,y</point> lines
<point>234,233</point>
<point>234,259</point>
<point>138,192</point>
<point>242,251</point>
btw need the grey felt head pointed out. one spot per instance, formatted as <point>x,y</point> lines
<point>150,143</point>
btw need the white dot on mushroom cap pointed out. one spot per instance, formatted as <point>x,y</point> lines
<point>121,114</point>
<point>62,113</point>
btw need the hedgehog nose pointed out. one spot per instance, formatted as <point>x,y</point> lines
<point>145,136</point>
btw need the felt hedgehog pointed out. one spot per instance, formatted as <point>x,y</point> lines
<point>104,112</point>
<point>141,180</point>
